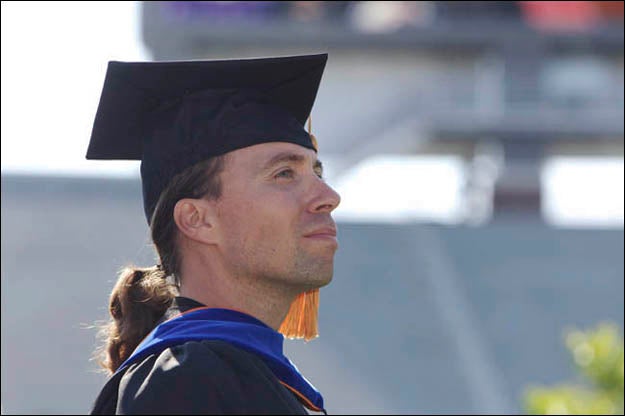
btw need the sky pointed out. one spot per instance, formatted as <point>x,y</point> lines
<point>54,57</point>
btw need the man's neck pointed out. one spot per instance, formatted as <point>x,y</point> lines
<point>255,297</point>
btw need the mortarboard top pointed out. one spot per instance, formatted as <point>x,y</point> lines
<point>172,115</point>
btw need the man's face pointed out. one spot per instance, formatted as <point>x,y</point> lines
<point>274,215</point>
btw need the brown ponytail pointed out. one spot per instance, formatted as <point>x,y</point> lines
<point>139,299</point>
<point>142,295</point>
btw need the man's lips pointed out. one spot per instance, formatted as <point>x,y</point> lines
<point>323,232</point>
<point>325,235</point>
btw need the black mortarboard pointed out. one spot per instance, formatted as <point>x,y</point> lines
<point>171,115</point>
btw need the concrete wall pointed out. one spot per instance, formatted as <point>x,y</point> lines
<point>419,318</point>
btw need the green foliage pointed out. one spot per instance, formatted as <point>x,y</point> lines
<point>598,356</point>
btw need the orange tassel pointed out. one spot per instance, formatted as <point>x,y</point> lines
<point>313,139</point>
<point>301,320</point>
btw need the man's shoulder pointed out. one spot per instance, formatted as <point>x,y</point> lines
<point>207,358</point>
<point>156,378</point>
<point>201,376</point>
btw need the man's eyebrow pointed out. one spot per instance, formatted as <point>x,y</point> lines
<point>291,157</point>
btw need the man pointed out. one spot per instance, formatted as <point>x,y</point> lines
<point>240,219</point>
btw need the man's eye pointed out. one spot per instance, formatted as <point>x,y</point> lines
<point>286,173</point>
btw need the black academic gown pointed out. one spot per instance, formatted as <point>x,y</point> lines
<point>197,377</point>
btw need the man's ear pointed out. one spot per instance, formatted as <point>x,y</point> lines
<point>195,219</point>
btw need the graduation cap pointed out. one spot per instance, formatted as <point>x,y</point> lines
<point>172,115</point>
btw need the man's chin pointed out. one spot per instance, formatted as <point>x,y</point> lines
<point>314,271</point>
<point>321,280</point>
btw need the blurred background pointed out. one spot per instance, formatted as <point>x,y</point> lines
<point>478,150</point>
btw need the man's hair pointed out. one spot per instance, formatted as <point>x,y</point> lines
<point>142,295</point>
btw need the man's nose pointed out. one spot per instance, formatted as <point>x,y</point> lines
<point>326,200</point>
